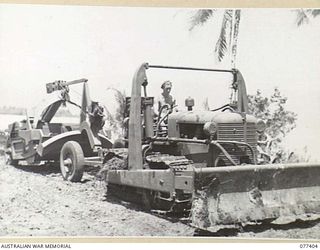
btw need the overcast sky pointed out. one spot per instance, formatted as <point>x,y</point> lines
<point>40,44</point>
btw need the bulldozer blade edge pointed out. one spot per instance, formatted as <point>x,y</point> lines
<point>254,193</point>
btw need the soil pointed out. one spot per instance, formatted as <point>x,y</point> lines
<point>35,201</point>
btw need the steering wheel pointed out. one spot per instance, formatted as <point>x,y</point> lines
<point>167,106</point>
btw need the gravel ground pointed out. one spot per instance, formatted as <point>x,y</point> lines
<point>35,201</point>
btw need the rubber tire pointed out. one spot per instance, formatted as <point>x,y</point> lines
<point>74,152</point>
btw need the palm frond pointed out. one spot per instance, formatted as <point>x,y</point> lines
<point>315,12</point>
<point>302,17</point>
<point>200,17</point>
<point>222,44</point>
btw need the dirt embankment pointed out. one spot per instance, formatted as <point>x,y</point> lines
<point>35,201</point>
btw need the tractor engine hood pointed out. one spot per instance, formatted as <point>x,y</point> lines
<point>185,123</point>
<point>201,117</point>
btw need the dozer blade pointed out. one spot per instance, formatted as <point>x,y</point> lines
<point>254,193</point>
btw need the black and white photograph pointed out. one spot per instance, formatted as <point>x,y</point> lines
<point>159,122</point>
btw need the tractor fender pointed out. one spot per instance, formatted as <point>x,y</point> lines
<point>53,145</point>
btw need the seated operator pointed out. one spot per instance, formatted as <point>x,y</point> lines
<point>164,104</point>
<point>165,99</point>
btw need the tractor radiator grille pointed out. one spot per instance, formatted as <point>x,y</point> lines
<point>241,132</point>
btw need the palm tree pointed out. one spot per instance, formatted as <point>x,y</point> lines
<point>228,38</point>
<point>304,15</point>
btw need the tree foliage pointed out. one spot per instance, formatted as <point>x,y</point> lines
<point>279,122</point>
<point>200,17</point>
<point>272,110</point>
<point>115,121</point>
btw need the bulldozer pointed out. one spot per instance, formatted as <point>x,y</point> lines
<point>204,163</point>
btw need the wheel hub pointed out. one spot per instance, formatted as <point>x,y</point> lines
<point>67,164</point>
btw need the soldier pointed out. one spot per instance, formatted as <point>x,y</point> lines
<point>96,116</point>
<point>166,98</point>
<point>165,102</point>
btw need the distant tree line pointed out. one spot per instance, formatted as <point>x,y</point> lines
<point>12,110</point>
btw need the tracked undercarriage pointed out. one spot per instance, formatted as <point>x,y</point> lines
<point>178,204</point>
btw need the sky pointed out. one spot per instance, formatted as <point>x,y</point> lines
<point>41,44</point>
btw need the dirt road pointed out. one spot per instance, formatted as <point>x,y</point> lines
<point>35,201</point>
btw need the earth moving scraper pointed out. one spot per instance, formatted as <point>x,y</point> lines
<point>204,163</point>
<point>73,145</point>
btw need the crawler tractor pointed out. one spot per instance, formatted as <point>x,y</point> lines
<point>204,163</point>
